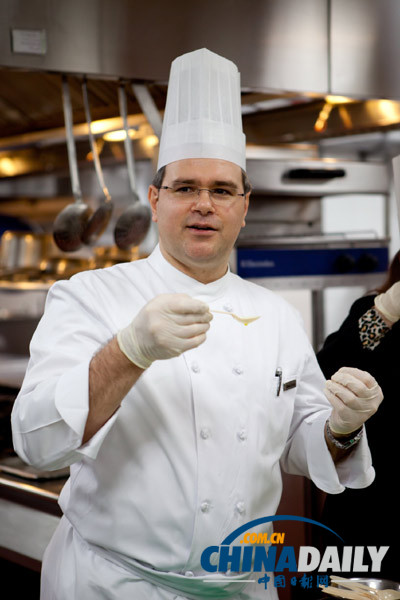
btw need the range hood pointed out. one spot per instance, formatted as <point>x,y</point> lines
<point>336,47</point>
<point>293,56</point>
<point>276,44</point>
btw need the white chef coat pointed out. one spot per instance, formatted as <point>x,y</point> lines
<point>195,449</point>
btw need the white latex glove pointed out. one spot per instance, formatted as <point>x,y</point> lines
<point>355,396</point>
<point>165,327</point>
<point>388,303</point>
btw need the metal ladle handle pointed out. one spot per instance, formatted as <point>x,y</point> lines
<point>92,142</point>
<point>127,140</point>
<point>149,107</point>
<point>73,163</point>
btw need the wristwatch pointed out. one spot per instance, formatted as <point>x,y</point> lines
<point>345,442</point>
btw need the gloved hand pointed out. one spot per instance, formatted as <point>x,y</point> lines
<point>165,327</point>
<point>388,303</point>
<point>355,396</point>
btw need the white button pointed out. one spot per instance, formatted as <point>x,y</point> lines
<point>242,435</point>
<point>228,307</point>
<point>195,367</point>
<point>240,507</point>
<point>189,574</point>
<point>205,507</point>
<point>205,433</point>
<point>238,370</point>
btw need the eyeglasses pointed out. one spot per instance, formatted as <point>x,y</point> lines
<point>192,192</point>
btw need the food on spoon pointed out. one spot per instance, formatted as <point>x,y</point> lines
<point>244,320</point>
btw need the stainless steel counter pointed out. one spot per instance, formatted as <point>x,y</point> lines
<point>29,515</point>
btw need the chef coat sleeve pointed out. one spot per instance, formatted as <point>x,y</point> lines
<point>50,412</point>
<point>306,451</point>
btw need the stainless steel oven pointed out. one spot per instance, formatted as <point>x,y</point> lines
<point>285,245</point>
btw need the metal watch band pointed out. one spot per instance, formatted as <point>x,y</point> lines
<point>347,442</point>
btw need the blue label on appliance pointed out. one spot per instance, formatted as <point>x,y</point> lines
<point>262,262</point>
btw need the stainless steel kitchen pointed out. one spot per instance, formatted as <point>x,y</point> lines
<point>85,89</point>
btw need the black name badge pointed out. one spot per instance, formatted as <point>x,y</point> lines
<point>289,385</point>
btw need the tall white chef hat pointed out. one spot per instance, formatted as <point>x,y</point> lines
<point>202,116</point>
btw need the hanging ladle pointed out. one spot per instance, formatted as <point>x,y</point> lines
<point>101,216</point>
<point>132,226</point>
<point>71,223</point>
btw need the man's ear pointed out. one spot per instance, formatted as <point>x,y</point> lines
<point>153,199</point>
<point>246,207</point>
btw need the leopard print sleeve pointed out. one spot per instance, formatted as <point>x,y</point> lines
<point>372,329</point>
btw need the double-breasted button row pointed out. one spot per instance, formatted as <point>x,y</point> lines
<point>240,507</point>
<point>205,433</point>
<point>236,370</point>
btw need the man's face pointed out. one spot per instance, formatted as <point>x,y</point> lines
<point>197,236</point>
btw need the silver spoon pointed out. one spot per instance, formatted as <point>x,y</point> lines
<point>244,320</point>
<point>364,588</point>
<point>101,217</point>
<point>71,222</point>
<point>132,226</point>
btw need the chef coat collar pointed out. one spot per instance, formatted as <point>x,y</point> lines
<point>179,282</point>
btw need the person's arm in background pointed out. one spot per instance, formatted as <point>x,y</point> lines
<point>353,345</point>
<point>387,305</point>
<point>361,333</point>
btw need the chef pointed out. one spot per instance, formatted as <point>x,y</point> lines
<point>175,417</point>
